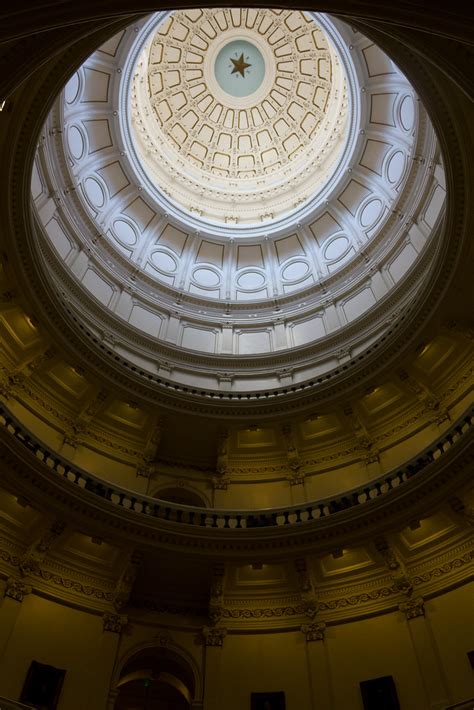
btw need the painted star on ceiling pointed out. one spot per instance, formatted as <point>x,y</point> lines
<point>240,65</point>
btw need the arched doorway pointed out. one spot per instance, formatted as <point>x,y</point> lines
<point>155,679</point>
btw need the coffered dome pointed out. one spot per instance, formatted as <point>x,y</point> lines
<point>238,143</point>
<point>225,269</point>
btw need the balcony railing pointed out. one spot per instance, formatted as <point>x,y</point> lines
<point>238,519</point>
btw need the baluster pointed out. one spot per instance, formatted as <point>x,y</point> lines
<point>121,499</point>
<point>191,515</point>
<point>286,516</point>
<point>298,516</point>
<point>203,519</point>
<point>66,470</point>
<point>214,520</point>
<point>226,521</point>
<point>239,521</point>
<point>179,515</point>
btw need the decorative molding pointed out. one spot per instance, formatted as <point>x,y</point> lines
<point>161,607</point>
<point>446,568</point>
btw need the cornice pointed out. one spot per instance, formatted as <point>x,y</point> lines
<point>238,615</point>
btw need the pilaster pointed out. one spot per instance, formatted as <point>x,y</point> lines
<point>424,645</point>
<point>318,666</point>
<point>14,592</point>
<point>213,638</point>
<point>104,662</point>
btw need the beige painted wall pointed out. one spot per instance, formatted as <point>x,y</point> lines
<point>426,676</point>
<point>54,634</point>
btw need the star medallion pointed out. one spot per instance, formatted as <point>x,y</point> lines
<point>240,65</point>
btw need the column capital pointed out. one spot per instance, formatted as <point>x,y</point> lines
<point>16,589</point>
<point>220,483</point>
<point>213,636</point>
<point>413,608</point>
<point>114,622</point>
<point>314,631</point>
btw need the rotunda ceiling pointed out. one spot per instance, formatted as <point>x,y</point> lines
<point>135,235</point>
<point>238,116</point>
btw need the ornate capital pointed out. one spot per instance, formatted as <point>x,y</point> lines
<point>144,470</point>
<point>114,622</point>
<point>296,479</point>
<point>315,631</point>
<point>220,483</point>
<point>413,608</point>
<point>214,636</point>
<point>16,589</point>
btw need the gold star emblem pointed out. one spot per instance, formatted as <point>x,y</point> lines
<point>240,65</point>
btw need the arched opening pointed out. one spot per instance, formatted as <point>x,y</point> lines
<point>181,496</point>
<point>155,679</point>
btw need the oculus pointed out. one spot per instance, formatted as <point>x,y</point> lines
<point>239,68</point>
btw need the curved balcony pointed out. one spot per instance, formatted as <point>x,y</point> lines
<point>399,490</point>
